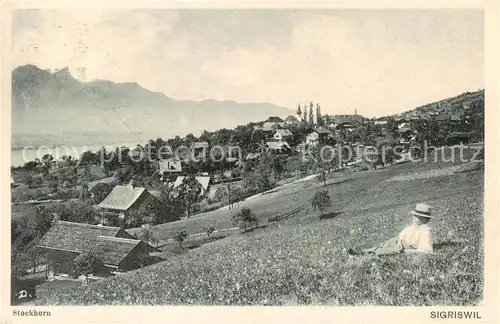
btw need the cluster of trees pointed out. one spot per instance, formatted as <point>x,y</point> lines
<point>26,232</point>
<point>159,209</point>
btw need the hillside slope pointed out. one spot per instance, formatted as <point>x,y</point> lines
<point>303,261</point>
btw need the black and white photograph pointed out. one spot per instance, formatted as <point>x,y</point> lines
<point>247,157</point>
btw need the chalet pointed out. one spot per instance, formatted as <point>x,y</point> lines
<point>117,249</point>
<point>204,181</point>
<point>170,166</point>
<point>317,135</point>
<point>291,120</point>
<point>281,135</point>
<point>278,147</point>
<point>120,202</point>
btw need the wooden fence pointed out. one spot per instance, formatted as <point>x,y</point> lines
<point>286,215</point>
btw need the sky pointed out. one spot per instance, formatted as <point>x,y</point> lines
<point>378,62</point>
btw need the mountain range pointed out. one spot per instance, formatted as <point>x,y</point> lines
<point>56,107</point>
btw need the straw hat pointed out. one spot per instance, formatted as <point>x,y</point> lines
<point>422,210</point>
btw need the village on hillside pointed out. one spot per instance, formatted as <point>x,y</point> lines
<point>98,214</point>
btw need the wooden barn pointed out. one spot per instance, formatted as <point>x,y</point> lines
<point>117,249</point>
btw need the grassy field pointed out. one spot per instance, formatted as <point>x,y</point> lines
<point>303,260</point>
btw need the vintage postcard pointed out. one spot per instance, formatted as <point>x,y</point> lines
<point>273,156</point>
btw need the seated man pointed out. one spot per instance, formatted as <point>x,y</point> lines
<point>414,238</point>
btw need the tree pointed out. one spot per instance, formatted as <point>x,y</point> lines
<point>47,158</point>
<point>180,237</point>
<point>244,218</point>
<point>43,221</point>
<point>147,235</point>
<point>77,212</point>
<point>236,195</point>
<point>53,186</point>
<point>221,194</point>
<point>262,178</point>
<point>85,264</point>
<point>33,255</point>
<point>321,201</point>
<point>392,127</point>
<point>84,193</point>
<point>157,210</point>
<point>101,191</point>
<point>190,192</point>
<point>88,157</point>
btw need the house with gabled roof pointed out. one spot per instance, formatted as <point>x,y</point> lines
<point>118,250</point>
<point>95,172</point>
<point>204,181</point>
<point>291,120</point>
<point>120,202</point>
<point>278,147</point>
<point>274,119</point>
<point>282,134</point>
<point>170,166</point>
<point>317,135</point>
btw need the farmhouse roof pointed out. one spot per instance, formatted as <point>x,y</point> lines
<point>278,145</point>
<point>275,119</point>
<point>384,139</point>
<point>76,236</point>
<point>94,170</point>
<point>204,181</point>
<point>291,119</point>
<point>283,132</point>
<point>122,197</point>
<point>321,131</point>
<point>269,126</point>
<point>113,250</point>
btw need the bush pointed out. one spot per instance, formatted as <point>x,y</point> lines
<point>321,201</point>
<point>180,237</point>
<point>85,264</point>
<point>245,218</point>
<point>147,235</point>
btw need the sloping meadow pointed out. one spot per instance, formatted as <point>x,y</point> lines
<point>306,263</point>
